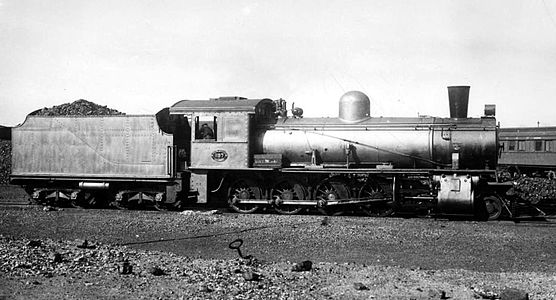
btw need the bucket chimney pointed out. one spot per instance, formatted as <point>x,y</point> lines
<point>459,99</point>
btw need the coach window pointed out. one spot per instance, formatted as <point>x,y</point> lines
<point>538,146</point>
<point>511,146</point>
<point>520,145</point>
<point>205,128</point>
<point>549,146</point>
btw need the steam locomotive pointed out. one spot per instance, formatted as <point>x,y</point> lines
<point>256,155</point>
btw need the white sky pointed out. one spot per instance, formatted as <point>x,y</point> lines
<point>139,56</point>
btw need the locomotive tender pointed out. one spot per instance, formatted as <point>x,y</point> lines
<point>255,155</point>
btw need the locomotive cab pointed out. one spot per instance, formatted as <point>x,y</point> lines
<point>223,135</point>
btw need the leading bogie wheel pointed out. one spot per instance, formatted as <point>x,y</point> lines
<point>493,207</point>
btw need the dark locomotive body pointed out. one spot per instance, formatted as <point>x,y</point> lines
<point>251,153</point>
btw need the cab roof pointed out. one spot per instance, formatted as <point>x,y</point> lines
<point>223,104</point>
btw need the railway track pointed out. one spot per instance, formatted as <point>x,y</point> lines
<point>12,195</point>
<point>15,196</point>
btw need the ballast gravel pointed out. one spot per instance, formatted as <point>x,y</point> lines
<point>87,254</point>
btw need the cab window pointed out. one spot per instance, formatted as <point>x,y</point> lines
<point>205,128</point>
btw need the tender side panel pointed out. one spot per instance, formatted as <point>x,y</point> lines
<point>111,146</point>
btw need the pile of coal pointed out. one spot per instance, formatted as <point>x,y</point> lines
<point>534,189</point>
<point>80,107</point>
<point>5,160</point>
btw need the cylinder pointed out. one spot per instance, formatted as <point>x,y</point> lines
<point>459,99</point>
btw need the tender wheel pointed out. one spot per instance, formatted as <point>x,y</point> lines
<point>36,197</point>
<point>493,207</point>
<point>159,203</point>
<point>288,190</point>
<point>120,201</point>
<point>373,190</point>
<point>91,200</point>
<point>84,199</point>
<point>119,205</point>
<point>160,206</point>
<point>331,189</point>
<point>77,203</point>
<point>244,189</point>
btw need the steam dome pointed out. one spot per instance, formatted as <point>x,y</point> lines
<point>355,106</point>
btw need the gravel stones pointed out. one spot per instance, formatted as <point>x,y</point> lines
<point>156,271</point>
<point>394,258</point>
<point>34,243</point>
<point>513,294</point>
<point>56,257</point>
<point>92,272</point>
<point>303,266</point>
<point>360,286</point>
<point>251,276</point>
<point>126,268</point>
<point>83,244</point>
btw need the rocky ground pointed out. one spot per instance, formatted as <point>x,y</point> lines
<point>46,269</point>
<point>43,255</point>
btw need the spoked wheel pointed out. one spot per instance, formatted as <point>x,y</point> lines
<point>244,189</point>
<point>493,207</point>
<point>331,189</point>
<point>372,190</point>
<point>288,190</point>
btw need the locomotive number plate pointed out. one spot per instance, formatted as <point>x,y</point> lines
<point>219,155</point>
